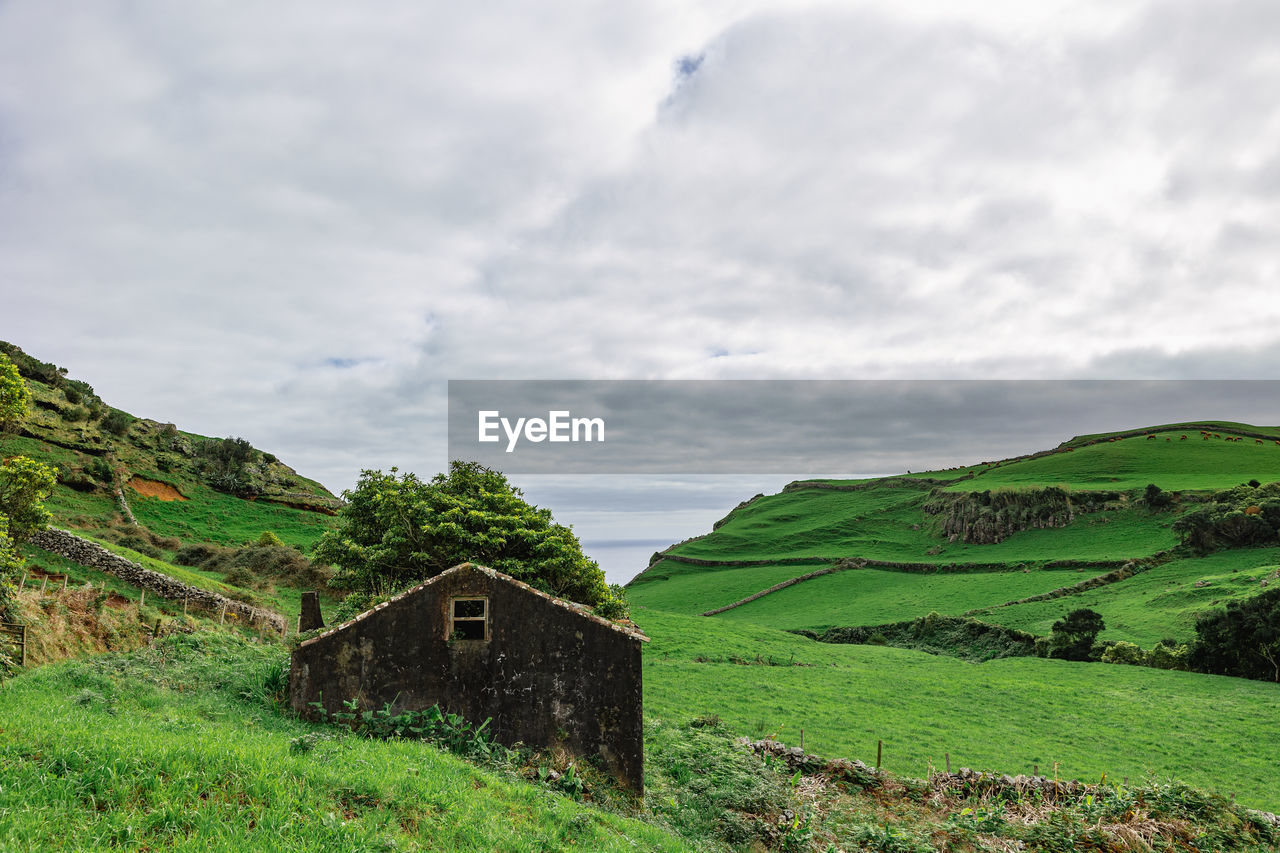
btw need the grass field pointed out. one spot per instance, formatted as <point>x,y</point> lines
<point>222,519</point>
<point>695,589</point>
<point>1158,603</point>
<point>1005,715</point>
<point>872,597</point>
<point>888,523</point>
<point>161,750</point>
<point>1132,463</point>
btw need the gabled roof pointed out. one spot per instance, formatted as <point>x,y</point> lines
<point>573,606</point>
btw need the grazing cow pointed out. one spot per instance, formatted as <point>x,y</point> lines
<point>1168,439</point>
<point>1184,438</point>
<point>1257,441</point>
<point>1153,438</point>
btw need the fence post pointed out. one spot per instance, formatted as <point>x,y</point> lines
<point>65,578</point>
<point>142,599</point>
<point>44,583</point>
<point>879,752</point>
<point>948,755</point>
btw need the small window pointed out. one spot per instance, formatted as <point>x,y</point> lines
<point>469,619</point>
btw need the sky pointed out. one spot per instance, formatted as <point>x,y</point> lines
<point>296,222</point>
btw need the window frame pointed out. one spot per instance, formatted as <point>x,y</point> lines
<point>450,634</point>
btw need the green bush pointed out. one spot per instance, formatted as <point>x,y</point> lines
<point>195,554</point>
<point>1157,498</point>
<point>116,422</point>
<point>269,540</point>
<point>101,471</point>
<point>1073,636</point>
<point>1242,640</point>
<point>1122,652</point>
<point>1168,655</point>
<point>957,636</point>
<point>614,604</point>
<point>1233,518</point>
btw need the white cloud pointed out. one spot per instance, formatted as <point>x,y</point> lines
<point>295,222</point>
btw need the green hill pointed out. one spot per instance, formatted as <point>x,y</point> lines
<point>180,488</point>
<point>1017,543</point>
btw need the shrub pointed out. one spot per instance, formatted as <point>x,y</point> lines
<point>240,576</point>
<point>1073,636</point>
<point>1242,640</point>
<point>116,422</point>
<point>195,554</point>
<point>614,604</point>
<point>1122,652</point>
<point>1168,655</point>
<point>269,540</point>
<point>1241,516</point>
<point>101,471</point>
<point>1157,498</point>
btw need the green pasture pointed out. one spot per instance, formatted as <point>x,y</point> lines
<point>1005,715</point>
<point>874,597</point>
<point>703,589</point>
<point>889,523</point>
<point>176,748</point>
<point>212,516</point>
<point>1132,463</point>
<point>1158,603</point>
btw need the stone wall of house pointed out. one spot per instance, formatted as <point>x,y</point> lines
<point>547,674</point>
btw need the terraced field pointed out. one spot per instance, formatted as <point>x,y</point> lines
<point>1011,714</point>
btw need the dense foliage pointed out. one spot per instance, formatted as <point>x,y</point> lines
<point>1233,518</point>
<point>25,485</point>
<point>1072,637</point>
<point>396,530</point>
<point>957,636</point>
<point>15,399</point>
<point>10,562</point>
<point>224,464</point>
<point>1242,640</point>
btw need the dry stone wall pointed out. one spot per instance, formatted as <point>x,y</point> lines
<point>94,556</point>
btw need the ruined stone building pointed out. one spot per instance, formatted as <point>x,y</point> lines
<point>479,643</point>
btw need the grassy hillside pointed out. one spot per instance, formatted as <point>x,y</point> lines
<point>1132,462</point>
<point>1008,714</point>
<point>178,483</point>
<point>888,522</point>
<point>871,597</point>
<point>1161,602</point>
<point>173,748</point>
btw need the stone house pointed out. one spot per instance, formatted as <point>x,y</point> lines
<point>547,672</point>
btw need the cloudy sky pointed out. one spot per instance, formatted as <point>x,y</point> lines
<point>295,222</point>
